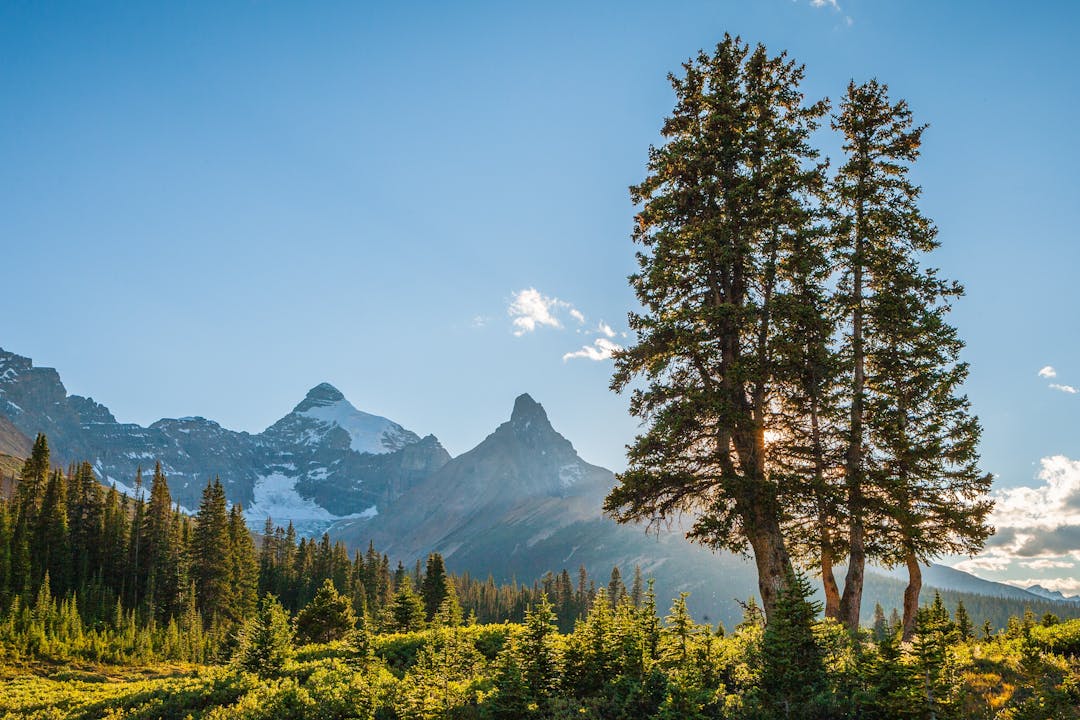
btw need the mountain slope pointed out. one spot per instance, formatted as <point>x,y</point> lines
<point>323,461</point>
<point>520,504</point>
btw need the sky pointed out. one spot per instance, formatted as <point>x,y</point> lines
<point>209,208</point>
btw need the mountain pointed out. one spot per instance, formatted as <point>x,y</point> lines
<point>523,503</point>
<point>947,578</point>
<point>323,461</point>
<point>520,504</point>
<point>1055,595</point>
<point>524,475</point>
<point>14,447</point>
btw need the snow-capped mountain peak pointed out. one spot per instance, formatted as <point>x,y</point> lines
<point>328,408</point>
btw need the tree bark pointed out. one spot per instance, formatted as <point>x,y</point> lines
<point>851,602</point>
<point>773,565</point>
<point>911,595</point>
<point>828,582</point>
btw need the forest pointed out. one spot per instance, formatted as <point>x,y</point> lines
<point>801,395</point>
<point>127,608</point>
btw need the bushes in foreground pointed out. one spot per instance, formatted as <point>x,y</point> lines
<point>620,661</point>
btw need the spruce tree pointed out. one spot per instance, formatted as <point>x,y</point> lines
<point>616,589</point>
<point>28,495</point>
<point>405,612</point>
<point>266,640</point>
<point>51,539</point>
<point>911,466</point>
<point>244,567</point>
<point>637,588</point>
<point>962,621</point>
<point>892,687</point>
<point>328,617</point>
<point>158,554</point>
<point>793,676</point>
<point>433,585</point>
<point>211,561</point>
<point>538,653</point>
<point>720,213</point>
<point>449,613</point>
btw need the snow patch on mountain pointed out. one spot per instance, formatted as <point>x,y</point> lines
<point>125,489</point>
<point>570,474</point>
<point>367,433</point>
<point>276,497</point>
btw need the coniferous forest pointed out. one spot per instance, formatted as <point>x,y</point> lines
<point>801,395</point>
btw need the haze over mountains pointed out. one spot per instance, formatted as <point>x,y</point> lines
<point>519,504</point>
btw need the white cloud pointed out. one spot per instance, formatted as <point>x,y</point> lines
<point>601,349</point>
<point>605,329</point>
<point>995,563</point>
<point>577,315</point>
<point>1064,388</point>
<point>479,321</point>
<point>1047,564</point>
<point>531,309</point>
<point>1054,504</point>
<point>833,5</point>
<point>1048,372</point>
<point>1038,529</point>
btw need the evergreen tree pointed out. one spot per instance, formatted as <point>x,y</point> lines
<point>328,617</point>
<point>6,522</point>
<point>115,539</point>
<point>158,555</point>
<point>29,490</point>
<point>793,676</point>
<point>679,633</point>
<point>881,625</point>
<point>637,588</point>
<point>136,584</point>
<point>929,650</point>
<point>51,549</point>
<point>449,613</point>
<point>211,562</point>
<point>538,653</point>
<point>963,622</point>
<point>433,586</point>
<point>911,466</point>
<point>86,516</point>
<point>893,688</point>
<point>406,610</point>
<point>244,567</point>
<point>513,694</point>
<point>720,214</point>
<point>266,640</point>
<point>616,589</point>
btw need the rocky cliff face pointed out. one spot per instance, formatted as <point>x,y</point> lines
<point>323,461</point>
<point>524,475</point>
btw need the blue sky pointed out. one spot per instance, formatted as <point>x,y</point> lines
<point>209,208</point>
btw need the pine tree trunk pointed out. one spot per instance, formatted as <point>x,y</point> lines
<point>770,554</point>
<point>911,596</point>
<point>828,576</point>
<point>851,602</point>
<point>828,582</point>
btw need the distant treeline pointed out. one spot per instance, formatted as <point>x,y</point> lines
<point>134,564</point>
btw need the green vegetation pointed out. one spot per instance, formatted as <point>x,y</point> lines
<point>801,395</point>
<point>793,367</point>
<point>620,661</point>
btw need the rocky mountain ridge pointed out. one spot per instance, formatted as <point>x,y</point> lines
<point>518,505</point>
<point>323,461</point>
